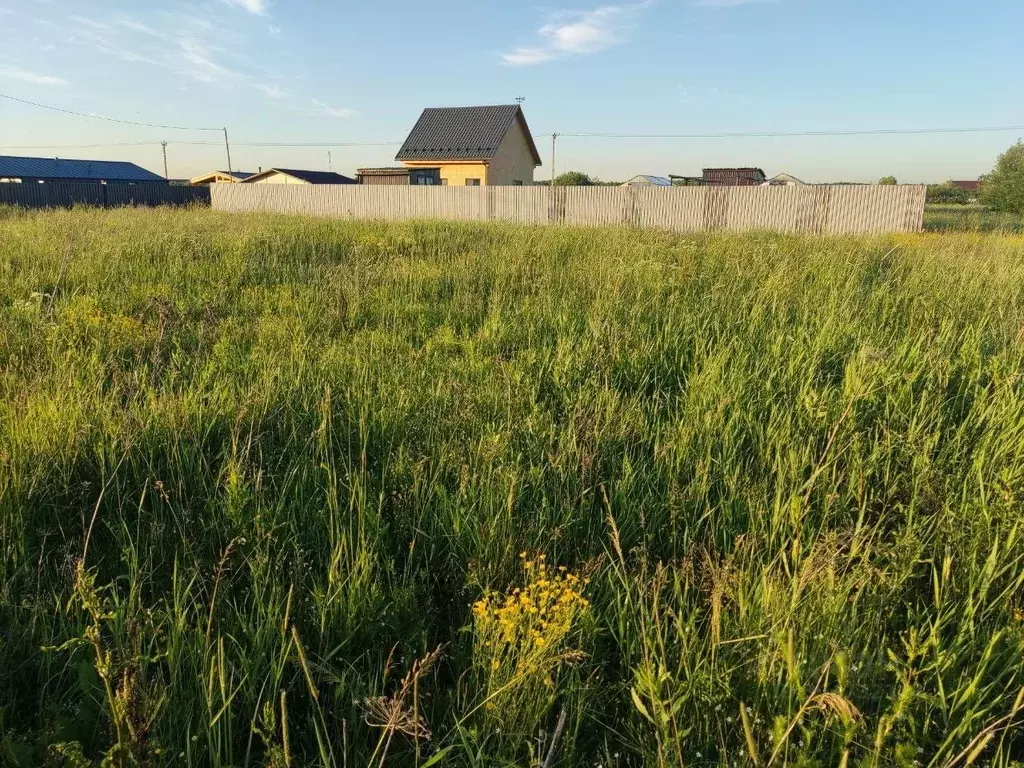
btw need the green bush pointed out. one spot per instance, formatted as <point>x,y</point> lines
<point>573,179</point>
<point>949,194</point>
<point>1003,189</point>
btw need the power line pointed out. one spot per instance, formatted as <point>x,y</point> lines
<point>314,144</point>
<point>83,146</point>
<point>105,119</point>
<point>786,134</point>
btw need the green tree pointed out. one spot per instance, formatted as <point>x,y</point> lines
<point>1003,189</point>
<point>948,193</point>
<point>573,179</point>
<point>888,181</point>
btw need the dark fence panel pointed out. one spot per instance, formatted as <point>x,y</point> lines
<point>65,195</point>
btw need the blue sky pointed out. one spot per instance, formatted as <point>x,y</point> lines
<point>359,72</point>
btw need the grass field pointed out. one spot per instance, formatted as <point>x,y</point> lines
<point>970,218</point>
<point>293,492</point>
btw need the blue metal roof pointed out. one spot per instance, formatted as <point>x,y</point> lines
<point>658,181</point>
<point>59,168</point>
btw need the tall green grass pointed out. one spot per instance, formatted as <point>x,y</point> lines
<point>255,473</point>
<point>970,218</point>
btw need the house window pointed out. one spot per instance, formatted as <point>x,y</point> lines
<point>472,182</point>
<point>517,183</point>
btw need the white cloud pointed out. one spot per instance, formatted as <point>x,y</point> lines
<point>100,36</point>
<point>23,75</point>
<point>526,56</point>
<point>576,32</point>
<point>273,30</point>
<point>259,7</point>
<point>326,109</point>
<point>271,91</point>
<point>201,66</point>
<point>727,3</point>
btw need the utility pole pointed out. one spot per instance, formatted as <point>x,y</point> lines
<point>553,137</point>
<point>227,146</point>
<point>164,145</point>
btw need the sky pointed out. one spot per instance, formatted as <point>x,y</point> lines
<point>358,73</point>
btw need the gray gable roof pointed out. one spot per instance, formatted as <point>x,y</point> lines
<point>59,168</point>
<point>313,177</point>
<point>463,133</point>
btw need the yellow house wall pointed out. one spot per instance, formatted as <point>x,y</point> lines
<point>455,174</point>
<point>513,161</point>
<point>279,178</point>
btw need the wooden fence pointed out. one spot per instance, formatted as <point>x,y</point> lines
<point>817,209</point>
<point>67,194</point>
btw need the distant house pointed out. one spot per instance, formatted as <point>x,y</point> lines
<point>970,186</point>
<point>220,177</point>
<point>32,170</point>
<point>399,176</point>
<point>644,180</point>
<point>734,177</point>
<point>686,181</point>
<point>785,180</point>
<point>473,146</point>
<point>295,176</point>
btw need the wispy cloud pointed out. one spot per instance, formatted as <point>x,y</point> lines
<point>259,7</point>
<point>271,91</point>
<point>728,3</point>
<point>527,56</point>
<point>100,36</point>
<point>327,109</point>
<point>202,67</point>
<point>34,78</point>
<point>569,33</point>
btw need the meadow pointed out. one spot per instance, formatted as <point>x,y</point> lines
<point>292,492</point>
<point>971,218</point>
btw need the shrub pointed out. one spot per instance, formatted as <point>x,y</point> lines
<point>573,179</point>
<point>948,194</point>
<point>1003,189</point>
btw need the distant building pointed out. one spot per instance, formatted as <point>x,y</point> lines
<point>785,180</point>
<point>644,180</point>
<point>686,181</point>
<point>296,176</point>
<point>734,177</point>
<point>399,176</point>
<point>473,146</point>
<point>220,177</point>
<point>970,186</point>
<point>32,170</point>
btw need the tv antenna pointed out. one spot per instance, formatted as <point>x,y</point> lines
<point>520,99</point>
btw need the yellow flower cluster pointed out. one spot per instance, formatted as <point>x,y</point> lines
<point>540,614</point>
<point>519,635</point>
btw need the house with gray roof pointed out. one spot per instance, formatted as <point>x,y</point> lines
<point>473,146</point>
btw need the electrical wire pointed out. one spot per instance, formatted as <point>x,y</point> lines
<point>82,146</point>
<point>105,119</point>
<point>785,134</point>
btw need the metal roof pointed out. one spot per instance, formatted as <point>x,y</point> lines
<point>391,170</point>
<point>656,181</point>
<point>463,133</point>
<point>59,168</point>
<point>313,177</point>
